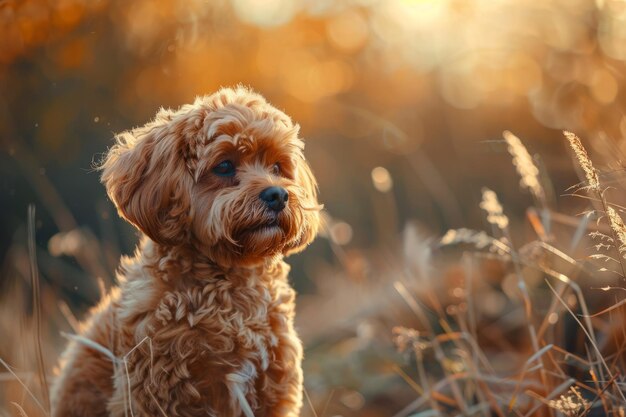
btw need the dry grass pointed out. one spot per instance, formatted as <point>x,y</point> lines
<point>484,322</point>
<point>523,343</point>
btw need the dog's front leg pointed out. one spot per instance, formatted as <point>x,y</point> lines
<point>285,378</point>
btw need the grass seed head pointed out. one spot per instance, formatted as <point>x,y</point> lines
<point>479,239</point>
<point>495,213</point>
<point>617,224</point>
<point>584,161</point>
<point>572,404</point>
<point>525,166</point>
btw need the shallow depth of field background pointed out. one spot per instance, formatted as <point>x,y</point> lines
<point>402,104</point>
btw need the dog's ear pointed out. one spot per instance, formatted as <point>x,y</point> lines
<point>147,179</point>
<point>310,206</point>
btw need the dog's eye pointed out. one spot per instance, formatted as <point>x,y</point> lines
<point>224,169</point>
<point>276,169</point>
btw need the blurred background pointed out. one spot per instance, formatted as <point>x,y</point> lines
<point>402,105</point>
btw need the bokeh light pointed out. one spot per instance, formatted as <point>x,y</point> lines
<point>382,179</point>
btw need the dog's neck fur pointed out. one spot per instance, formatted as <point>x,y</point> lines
<point>178,267</point>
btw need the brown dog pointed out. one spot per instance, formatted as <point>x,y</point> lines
<point>202,321</point>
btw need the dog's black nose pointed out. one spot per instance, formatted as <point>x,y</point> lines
<point>275,197</point>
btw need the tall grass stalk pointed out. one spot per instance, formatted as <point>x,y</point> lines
<point>593,185</point>
<point>34,273</point>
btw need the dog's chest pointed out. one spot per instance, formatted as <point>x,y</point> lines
<point>224,323</point>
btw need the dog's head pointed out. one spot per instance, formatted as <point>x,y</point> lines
<point>225,175</point>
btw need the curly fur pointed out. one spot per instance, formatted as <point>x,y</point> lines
<point>203,314</point>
